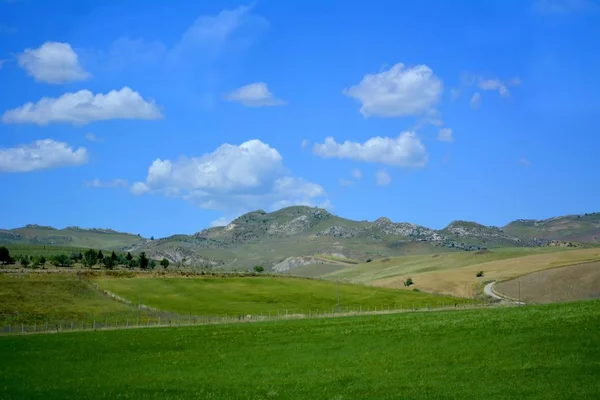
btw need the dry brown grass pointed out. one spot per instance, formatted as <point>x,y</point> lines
<point>463,282</point>
<point>576,282</point>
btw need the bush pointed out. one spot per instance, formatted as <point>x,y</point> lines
<point>416,290</point>
<point>90,258</point>
<point>143,260</point>
<point>164,263</point>
<point>259,268</point>
<point>152,264</point>
<point>408,282</point>
<point>61,260</point>
<point>4,255</point>
<point>369,260</point>
<point>479,274</point>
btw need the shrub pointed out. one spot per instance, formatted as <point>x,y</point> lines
<point>4,255</point>
<point>61,260</point>
<point>143,260</point>
<point>164,263</point>
<point>479,274</point>
<point>369,260</point>
<point>416,290</point>
<point>259,268</point>
<point>152,264</point>
<point>90,258</point>
<point>408,282</point>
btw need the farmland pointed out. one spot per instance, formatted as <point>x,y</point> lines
<point>256,295</point>
<point>533,352</point>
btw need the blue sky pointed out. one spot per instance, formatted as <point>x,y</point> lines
<point>158,117</point>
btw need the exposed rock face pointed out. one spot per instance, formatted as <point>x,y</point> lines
<point>412,231</point>
<point>184,256</point>
<point>294,262</point>
<point>290,228</point>
<point>474,230</point>
<point>340,232</point>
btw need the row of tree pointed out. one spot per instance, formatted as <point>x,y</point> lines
<point>89,258</point>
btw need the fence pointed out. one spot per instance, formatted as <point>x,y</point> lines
<point>165,319</point>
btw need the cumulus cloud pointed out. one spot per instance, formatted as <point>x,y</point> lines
<point>52,62</point>
<point>83,107</point>
<point>249,176</point>
<point>524,162</point>
<point>97,183</point>
<point>41,154</point>
<point>345,182</point>
<point>382,178</point>
<point>404,151</point>
<point>475,102</point>
<point>445,135</point>
<point>304,143</point>
<point>254,95</point>
<point>398,92</point>
<point>209,34</point>
<point>357,173</point>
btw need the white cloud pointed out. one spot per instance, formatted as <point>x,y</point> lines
<point>404,151</point>
<point>97,183</point>
<point>41,154</point>
<point>475,101</point>
<point>305,143</point>
<point>345,182</point>
<point>445,135</point>
<point>454,94</point>
<point>52,62</point>
<point>221,221</point>
<point>254,95</point>
<point>564,6</point>
<point>398,92</point>
<point>357,173</point>
<point>209,34</point>
<point>245,177</point>
<point>92,137</point>
<point>524,161</point>
<point>382,178</point>
<point>83,107</point>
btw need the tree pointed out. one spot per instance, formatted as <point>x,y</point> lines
<point>151,237</point>
<point>90,258</point>
<point>259,268</point>
<point>152,264</point>
<point>113,256</point>
<point>4,255</point>
<point>61,260</point>
<point>129,257</point>
<point>108,262</point>
<point>24,261</point>
<point>165,263</point>
<point>100,255</point>
<point>143,260</point>
<point>42,260</point>
<point>134,262</point>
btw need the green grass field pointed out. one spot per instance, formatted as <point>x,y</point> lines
<point>54,298</point>
<point>255,295</point>
<point>41,250</point>
<point>533,352</point>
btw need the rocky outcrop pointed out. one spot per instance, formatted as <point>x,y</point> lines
<point>341,232</point>
<point>295,262</point>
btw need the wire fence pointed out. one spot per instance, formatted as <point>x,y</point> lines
<point>167,319</point>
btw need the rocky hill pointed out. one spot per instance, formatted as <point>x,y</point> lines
<point>294,235</point>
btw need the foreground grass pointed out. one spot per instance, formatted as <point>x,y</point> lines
<point>533,352</point>
<point>55,298</point>
<point>255,295</point>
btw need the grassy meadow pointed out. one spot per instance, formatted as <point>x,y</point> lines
<point>55,298</point>
<point>256,295</point>
<point>533,352</point>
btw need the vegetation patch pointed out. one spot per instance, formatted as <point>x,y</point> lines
<point>532,352</point>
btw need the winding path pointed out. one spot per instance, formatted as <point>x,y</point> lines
<point>489,290</point>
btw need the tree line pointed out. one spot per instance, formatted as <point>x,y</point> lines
<point>90,258</point>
